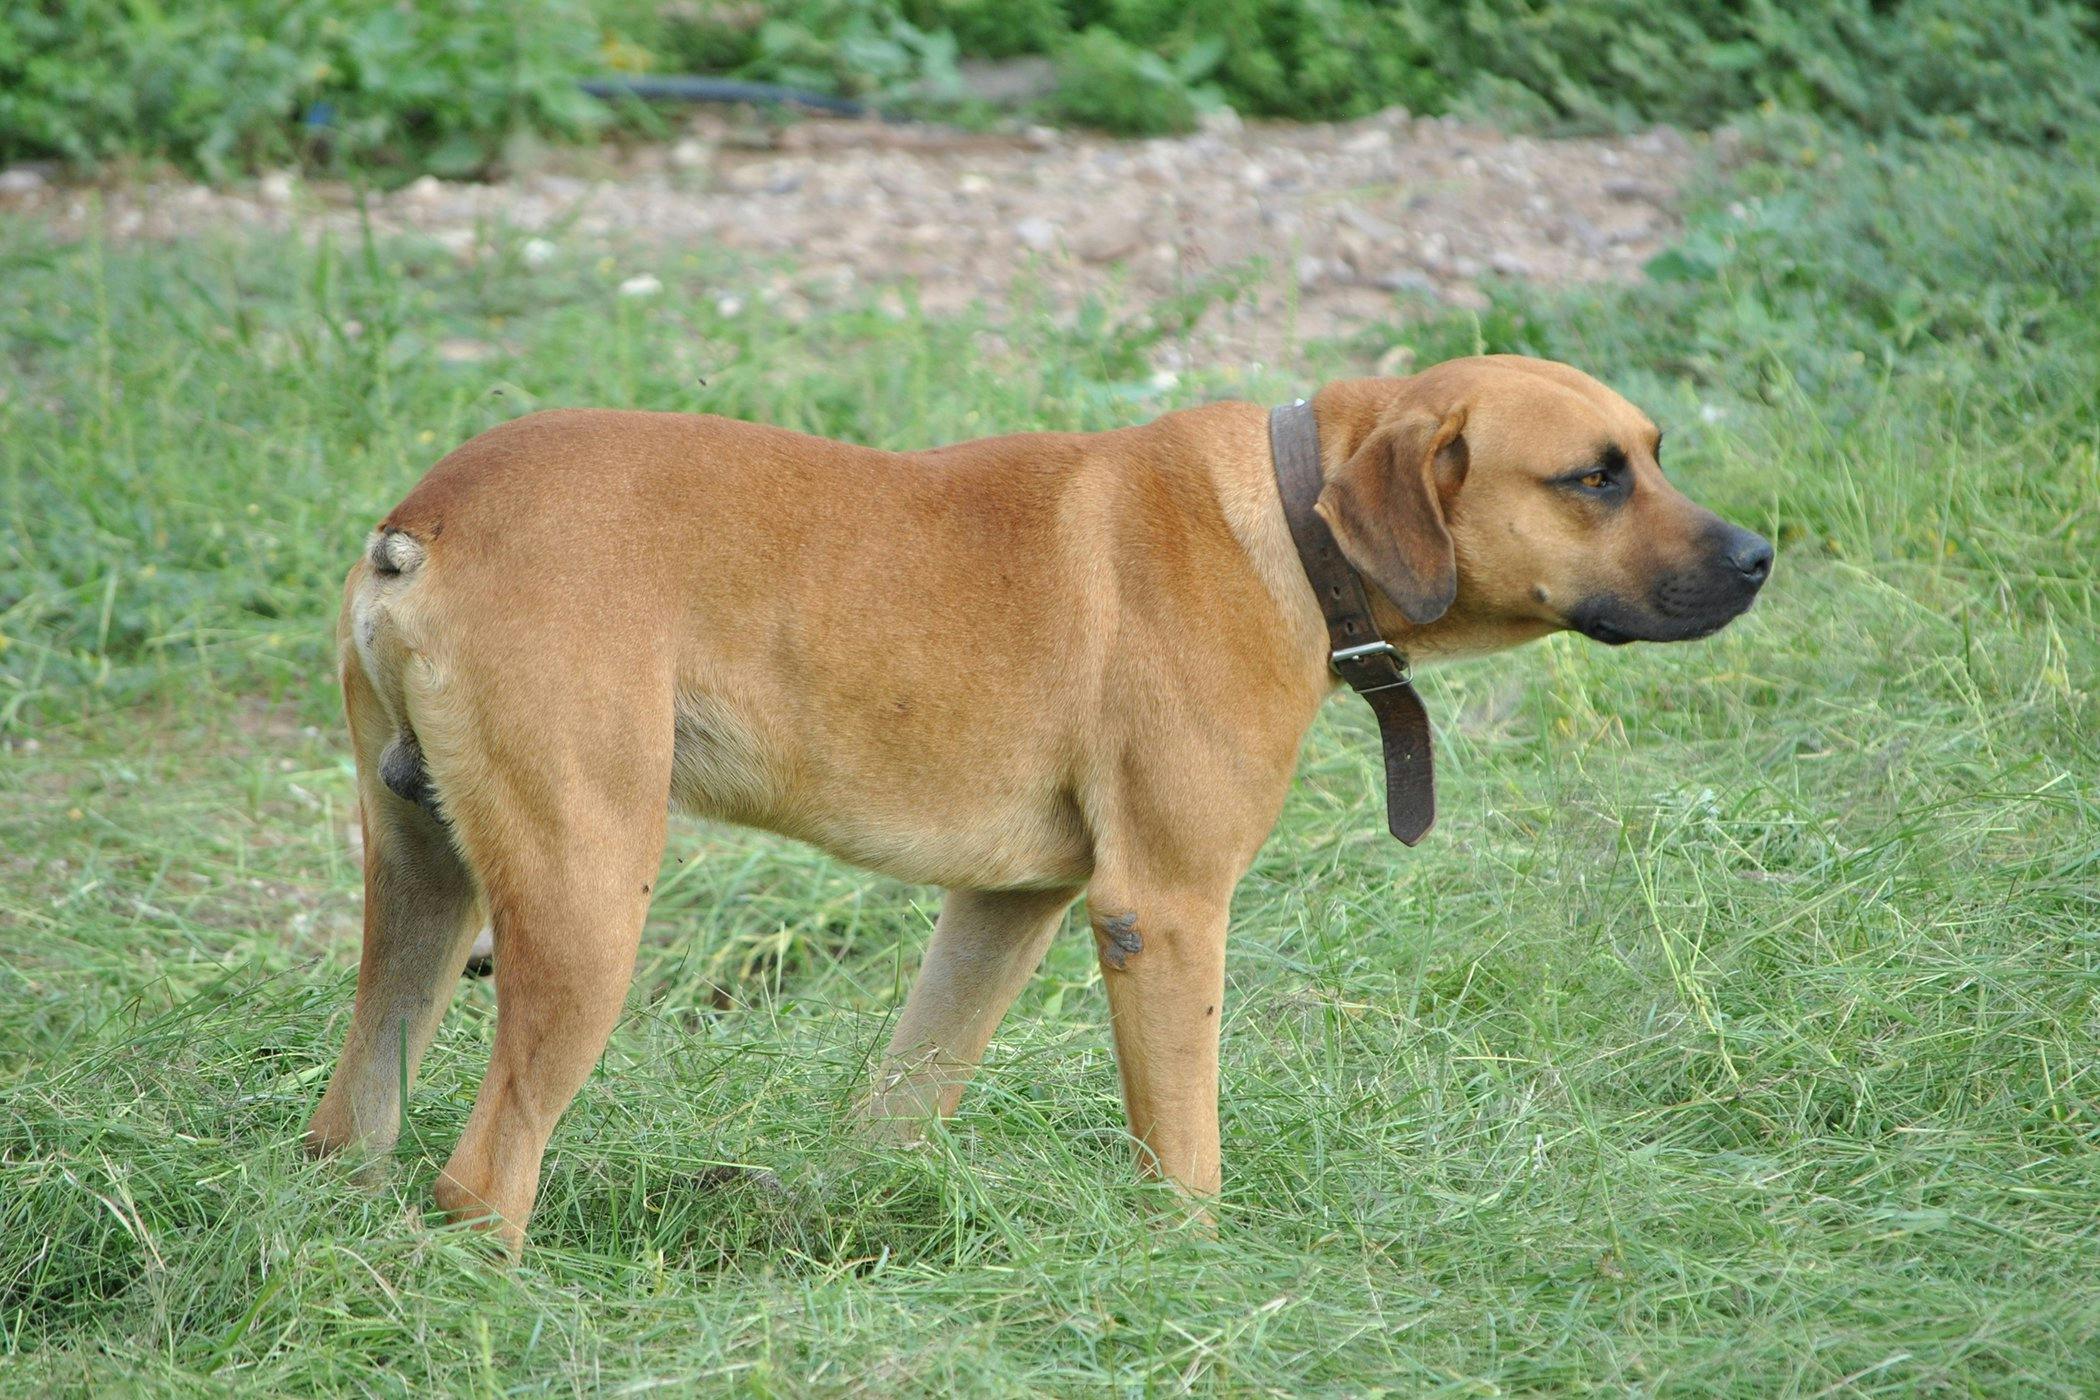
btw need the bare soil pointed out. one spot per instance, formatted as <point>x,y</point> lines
<point>1327,222</point>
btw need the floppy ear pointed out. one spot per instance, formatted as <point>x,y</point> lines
<point>1387,513</point>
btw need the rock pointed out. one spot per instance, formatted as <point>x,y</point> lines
<point>1357,251</point>
<point>1110,241</point>
<point>691,154</point>
<point>1406,279</point>
<point>1510,265</point>
<point>642,285</point>
<point>21,180</point>
<point>537,252</point>
<point>1586,234</point>
<point>1220,121</point>
<point>1363,223</point>
<point>276,187</point>
<point>425,189</point>
<point>765,177</point>
<point>1630,189</point>
<point>1036,233</point>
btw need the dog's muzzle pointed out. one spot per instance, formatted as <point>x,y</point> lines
<point>1685,604</point>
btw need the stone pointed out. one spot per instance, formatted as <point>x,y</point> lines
<point>1036,233</point>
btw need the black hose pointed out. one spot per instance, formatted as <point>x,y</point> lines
<point>691,89</point>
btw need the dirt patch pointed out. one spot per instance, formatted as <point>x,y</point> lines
<point>1339,217</point>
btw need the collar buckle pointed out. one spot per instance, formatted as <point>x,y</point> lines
<point>1372,667</point>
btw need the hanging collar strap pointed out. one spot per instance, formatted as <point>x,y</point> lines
<point>1358,654</point>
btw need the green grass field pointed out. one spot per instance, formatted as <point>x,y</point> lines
<point>1735,1033</point>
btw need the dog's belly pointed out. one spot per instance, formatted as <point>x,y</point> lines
<point>958,825</point>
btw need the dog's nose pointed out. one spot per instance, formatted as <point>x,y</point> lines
<point>1751,554</point>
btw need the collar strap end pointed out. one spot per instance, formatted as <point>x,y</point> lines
<point>1375,670</point>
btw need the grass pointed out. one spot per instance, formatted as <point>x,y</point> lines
<point>1735,1033</point>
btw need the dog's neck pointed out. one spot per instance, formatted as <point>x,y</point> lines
<point>1253,511</point>
<point>1347,412</point>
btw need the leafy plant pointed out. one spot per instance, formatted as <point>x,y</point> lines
<point>223,85</point>
<point>232,84</point>
<point>1104,80</point>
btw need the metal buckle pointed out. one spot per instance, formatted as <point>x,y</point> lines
<point>1374,677</point>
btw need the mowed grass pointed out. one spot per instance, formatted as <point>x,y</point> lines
<point>1734,1033</point>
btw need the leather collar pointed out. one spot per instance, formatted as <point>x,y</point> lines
<point>1370,664</point>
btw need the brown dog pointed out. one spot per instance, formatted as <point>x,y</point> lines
<point>1016,668</point>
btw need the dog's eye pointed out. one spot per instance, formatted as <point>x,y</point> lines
<point>1605,476</point>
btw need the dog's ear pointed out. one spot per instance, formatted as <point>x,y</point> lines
<point>1386,508</point>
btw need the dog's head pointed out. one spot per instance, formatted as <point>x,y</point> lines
<point>1495,499</point>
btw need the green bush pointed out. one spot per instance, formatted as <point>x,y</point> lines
<point>226,84</point>
<point>1305,59</point>
<point>2019,71</point>
<point>241,83</point>
<point>1106,81</point>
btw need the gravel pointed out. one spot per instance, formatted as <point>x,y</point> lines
<point>1335,219</point>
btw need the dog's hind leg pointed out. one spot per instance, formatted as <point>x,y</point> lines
<point>565,825</point>
<point>986,945</point>
<point>419,915</point>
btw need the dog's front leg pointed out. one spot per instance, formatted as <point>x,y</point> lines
<point>1163,960</point>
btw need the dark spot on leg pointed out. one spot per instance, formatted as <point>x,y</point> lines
<point>1210,1010</point>
<point>645,889</point>
<point>1117,935</point>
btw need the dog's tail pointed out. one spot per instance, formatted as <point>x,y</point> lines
<point>377,622</point>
